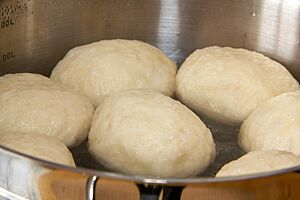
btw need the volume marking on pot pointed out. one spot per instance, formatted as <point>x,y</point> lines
<point>11,12</point>
<point>8,56</point>
<point>6,23</point>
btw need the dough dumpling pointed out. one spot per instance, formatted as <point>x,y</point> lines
<point>258,162</point>
<point>38,145</point>
<point>273,125</point>
<point>142,132</point>
<point>227,84</point>
<point>32,103</point>
<point>109,66</point>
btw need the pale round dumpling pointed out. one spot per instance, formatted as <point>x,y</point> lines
<point>39,146</point>
<point>258,162</point>
<point>227,84</point>
<point>32,103</point>
<point>273,125</point>
<point>143,132</point>
<point>109,66</point>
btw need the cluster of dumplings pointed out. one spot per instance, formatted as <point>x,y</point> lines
<point>120,94</point>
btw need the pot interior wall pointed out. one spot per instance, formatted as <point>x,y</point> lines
<point>36,34</point>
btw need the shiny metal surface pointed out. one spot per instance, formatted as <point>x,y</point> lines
<point>90,187</point>
<point>36,34</point>
<point>65,183</point>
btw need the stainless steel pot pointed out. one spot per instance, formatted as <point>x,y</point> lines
<point>36,34</point>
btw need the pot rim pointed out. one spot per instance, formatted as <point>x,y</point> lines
<point>144,179</point>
